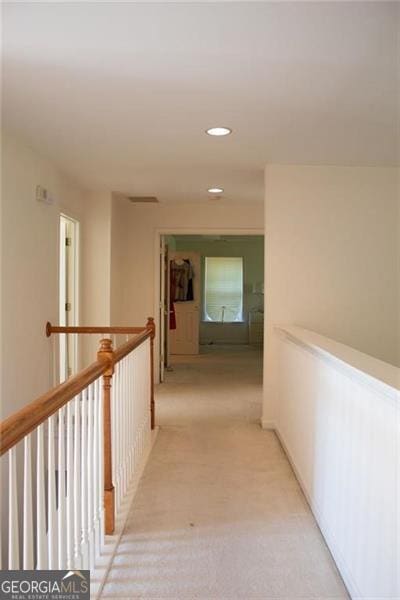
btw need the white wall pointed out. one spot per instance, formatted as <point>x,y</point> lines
<point>331,264</point>
<point>251,248</point>
<point>339,420</point>
<point>29,240</point>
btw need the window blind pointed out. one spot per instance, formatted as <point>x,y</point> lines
<point>223,293</point>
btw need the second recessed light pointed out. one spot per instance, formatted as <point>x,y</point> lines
<point>219,131</point>
<point>215,190</point>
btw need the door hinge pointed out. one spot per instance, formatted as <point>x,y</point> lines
<point>68,241</point>
<point>68,306</point>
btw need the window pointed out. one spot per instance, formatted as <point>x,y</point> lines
<point>223,289</point>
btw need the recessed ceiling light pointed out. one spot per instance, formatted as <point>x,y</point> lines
<point>215,190</point>
<point>219,131</point>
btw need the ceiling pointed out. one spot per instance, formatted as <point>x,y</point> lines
<point>119,94</point>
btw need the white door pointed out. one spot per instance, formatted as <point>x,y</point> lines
<point>185,338</point>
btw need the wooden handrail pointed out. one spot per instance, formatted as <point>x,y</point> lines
<point>24,421</point>
<point>130,345</point>
<point>62,329</point>
<point>14,428</point>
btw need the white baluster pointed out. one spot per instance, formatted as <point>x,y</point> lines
<point>51,498</point>
<point>62,554</point>
<point>132,420</point>
<point>13,537</point>
<point>121,423</point>
<point>41,534</point>
<point>128,425</point>
<point>129,419</point>
<point>1,545</point>
<point>135,413</point>
<point>145,393</point>
<point>90,477</point>
<point>101,461</point>
<point>123,428</point>
<point>117,447</point>
<point>114,434</point>
<point>115,399</point>
<point>143,403</point>
<point>139,400</point>
<point>119,397</point>
<point>141,413</point>
<point>77,562</point>
<point>84,483</point>
<point>96,495</point>
<point>28,506</point>
<point>120,426</point>
<point>70,486</point>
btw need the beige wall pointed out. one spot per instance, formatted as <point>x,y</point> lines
<point>331,259</point>
<point>332,256</point>
<point>133,257</point>
<point>252,251</point>
<point>95,277</point>
<point>29,240</point>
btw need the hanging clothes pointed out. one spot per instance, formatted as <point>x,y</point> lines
<point>189,295</point>
<point>180,286</point>
<point>181,273</point>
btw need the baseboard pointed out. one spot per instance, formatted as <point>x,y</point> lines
<point>268,424</point>
<point>99,575</point>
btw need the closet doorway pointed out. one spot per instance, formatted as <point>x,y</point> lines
<point>184,304</point>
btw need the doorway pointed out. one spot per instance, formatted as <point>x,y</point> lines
<point>184,302</point>
<point>227,306</point>
<point>68,294</point>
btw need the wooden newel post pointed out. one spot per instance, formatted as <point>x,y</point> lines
<point>151,325</point>
<point>106,353</point>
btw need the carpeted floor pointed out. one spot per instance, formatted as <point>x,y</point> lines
<point>219,514</point>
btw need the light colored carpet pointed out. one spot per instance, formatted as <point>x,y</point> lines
<point>219,514</point>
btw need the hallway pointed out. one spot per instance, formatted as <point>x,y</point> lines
<point>218,513</point>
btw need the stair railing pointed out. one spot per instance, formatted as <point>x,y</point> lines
<point>72,453</point>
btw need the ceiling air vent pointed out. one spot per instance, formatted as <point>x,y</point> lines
<point>143,199</point>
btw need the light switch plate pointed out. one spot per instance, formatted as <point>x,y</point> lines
<point>43,195</point>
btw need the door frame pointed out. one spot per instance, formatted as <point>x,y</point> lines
<point>75,231</point>
<point>157,275</point>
